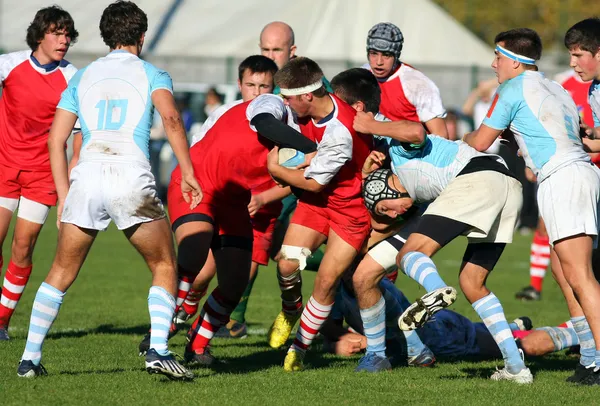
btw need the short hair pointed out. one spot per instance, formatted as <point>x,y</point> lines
<point>585,35</point>
<point>358,84</point>
<point>523,41</point>
<point>300,72</point>
<point>257,64</point>
<point>122,23</point>
<point>50,19</point>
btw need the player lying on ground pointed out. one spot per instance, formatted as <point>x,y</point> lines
<point>447,334</point>
<point>112,181</point>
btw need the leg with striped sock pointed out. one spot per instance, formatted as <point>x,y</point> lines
<point>491,312</point>
<point>45,309</point>
<point>540,259</point>
<point>162,307</point>
<point>215,313</point>
<point>191,302</point>
<point>313,317</point>
<point>586,340</point>
<point>421,268</point>
<point>14,283</point>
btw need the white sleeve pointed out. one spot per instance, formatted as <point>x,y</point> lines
<point>9,61</point>
<point>334,150</point>
<point>423,94</point>
<point>266,103</point>
<point>212,119</point>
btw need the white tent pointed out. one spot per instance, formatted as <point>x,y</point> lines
<point>325,30</point>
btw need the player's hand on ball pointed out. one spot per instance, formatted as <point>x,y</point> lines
<point>307,160</point>
<point>373,162</point>
<point>190,188</point>
<point>363,121</point>
<point>273,157</point>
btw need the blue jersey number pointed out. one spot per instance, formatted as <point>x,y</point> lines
<point>105,114</point>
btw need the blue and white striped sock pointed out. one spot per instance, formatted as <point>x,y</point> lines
<point>45,309</point>
<point>491,312</point>
<point>422,269</point>
<point>373,320</point>
<point>562,337</point>
<point>162,306</point>
<point>393,310</point>
<point>586,340</point>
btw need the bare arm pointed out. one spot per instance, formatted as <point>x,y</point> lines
<point>437,126</point>
<point>268,196</point>
<point>482,138</point>
<point>63,124</point>
<point>77,143</point>
<point>403,131</point>
<point>165,104</point>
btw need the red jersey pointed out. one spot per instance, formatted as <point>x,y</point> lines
<point>410,95</point>
<point>341,153</point>
<point>579,90</point>
<point>29,97</point>
<point>231,159</point>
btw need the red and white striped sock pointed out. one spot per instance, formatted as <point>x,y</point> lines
<point>215,313</point>
<point>14,283</point>
<point>540,259</point>
<point>190,304</point>
<point>313,317</point>
<point>185,283</point>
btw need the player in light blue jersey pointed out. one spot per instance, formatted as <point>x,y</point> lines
<point>114,99</point>
<point>545,123</point>
<point>472,194</point>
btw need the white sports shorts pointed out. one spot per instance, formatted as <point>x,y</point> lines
<point>568,201</point>
<point>385,252</point>
<point>122,192</point>
<point>487,200</point>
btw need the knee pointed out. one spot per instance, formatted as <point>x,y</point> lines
<point>22,248</point>
<point>472,286</point>
<point>364,279</point>
<point>287,267</point>
<point>292,259</point>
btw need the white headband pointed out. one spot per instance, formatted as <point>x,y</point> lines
<point>514,56</point>
<point>302,90</point>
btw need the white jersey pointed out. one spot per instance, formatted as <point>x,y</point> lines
<point>425,172</point>
<point>544,119</point>
<point>594,100</point>
<point>112,98</point>
<point>212,119</point>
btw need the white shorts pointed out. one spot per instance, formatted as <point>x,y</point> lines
<point>122,192</point>
<point>568,201</point>
<point>385,252</point>
<point>487,200</point>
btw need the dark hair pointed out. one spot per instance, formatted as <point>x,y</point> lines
<point>300,72</point>
<point>358,84</point>
<point>523,41</point>
<point>585,35</point>
<point>122,23</point>
<point>50,19</point>
<point>257,64</point>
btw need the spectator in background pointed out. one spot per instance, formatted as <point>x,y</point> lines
<point>478,103</point>
<point>277,43</point>
<point>212,102</point>
<point>183,105</point>
<point>452,124</point>
<point>158,138</point>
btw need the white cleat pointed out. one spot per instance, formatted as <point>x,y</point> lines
<point>523,377</point>
<point>421,311</point>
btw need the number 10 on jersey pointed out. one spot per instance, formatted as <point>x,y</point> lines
<point>106,110</point>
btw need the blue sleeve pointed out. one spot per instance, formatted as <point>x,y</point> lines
<point>159,79</point>
<point>69,100</point>
<point>500,114</point>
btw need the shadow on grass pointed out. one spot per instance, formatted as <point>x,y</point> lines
<point>101,329</point>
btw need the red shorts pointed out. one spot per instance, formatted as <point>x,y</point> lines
<point>263,225</point>
<point>33,185</point>
<point>352,229</point>
<point>229,216</point>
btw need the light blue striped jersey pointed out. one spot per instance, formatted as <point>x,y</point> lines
<point>425,172</point>
<point>594,100</point>
<point>112,98</point>
<point>544,119</point>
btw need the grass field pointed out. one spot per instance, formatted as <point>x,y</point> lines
<point>91,352</point>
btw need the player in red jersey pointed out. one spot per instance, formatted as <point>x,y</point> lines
<point>32,82</point>
<point>406,93</point>
<point>229,161</point>
<point>330,207</point>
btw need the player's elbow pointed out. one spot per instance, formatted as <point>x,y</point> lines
<point>418,135</point>
<point>315,187</point>
<point>479,145</point>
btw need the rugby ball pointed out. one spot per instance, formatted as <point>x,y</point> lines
<point>290,158</point>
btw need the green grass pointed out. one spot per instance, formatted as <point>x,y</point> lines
<point>91,352</point>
